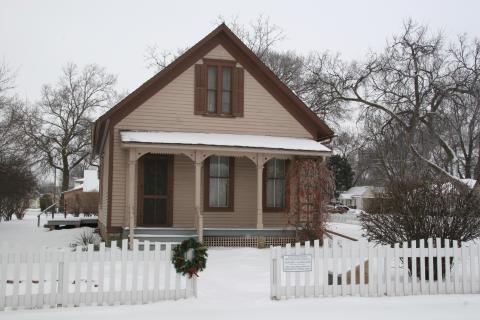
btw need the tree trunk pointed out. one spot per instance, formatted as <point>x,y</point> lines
<point>477,173</point>
<point>65,183</point>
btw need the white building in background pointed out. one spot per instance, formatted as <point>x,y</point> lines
<point>357,197</point>
<point>89,182</point>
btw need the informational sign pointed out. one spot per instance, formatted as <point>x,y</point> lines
<point>297,263</point>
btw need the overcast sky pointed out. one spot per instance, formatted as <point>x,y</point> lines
<point>37,38</point>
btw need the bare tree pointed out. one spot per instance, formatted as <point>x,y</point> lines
<point>407,84</point>
<point>260,34</point>
<point>59,125</point>
<point>157,59</point>
<point>17,182</point>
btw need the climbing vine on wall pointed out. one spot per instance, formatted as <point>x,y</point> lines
<point>310,188</point>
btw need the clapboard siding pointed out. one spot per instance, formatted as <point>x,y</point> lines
<point>219,53</point>
<point>103,208</point>
<point>171,109</point>
<point>183,192</point>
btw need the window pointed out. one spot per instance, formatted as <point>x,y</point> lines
<point>219,88</point>
<point>226,89</point>
<point>274,184</point>
<point>212,90</point>
<point>219,183</point>
<point>219,99</point>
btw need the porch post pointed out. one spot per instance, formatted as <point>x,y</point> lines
<point>259,192</point>
<point>198,209</point>
<point>131,195</point>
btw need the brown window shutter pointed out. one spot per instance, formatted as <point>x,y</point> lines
<point>200,97</point>
<point>238,84</point>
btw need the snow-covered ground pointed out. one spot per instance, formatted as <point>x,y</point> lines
<point>235,285</point>
<point>26,233</point>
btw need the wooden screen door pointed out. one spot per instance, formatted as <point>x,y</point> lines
<point>155,177</point>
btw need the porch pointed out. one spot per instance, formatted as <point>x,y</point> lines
<point>183,211</point>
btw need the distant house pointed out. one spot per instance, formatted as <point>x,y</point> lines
<point>358,197</point>
<point>83,197</point>
<point>203,148</point>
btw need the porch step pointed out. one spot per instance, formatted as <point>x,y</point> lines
<point>162,231</point>
<point>177,238</point>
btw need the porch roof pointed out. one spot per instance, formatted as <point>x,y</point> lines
<point>222,140</point>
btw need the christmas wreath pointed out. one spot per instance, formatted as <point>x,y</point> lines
<point>189,257</point>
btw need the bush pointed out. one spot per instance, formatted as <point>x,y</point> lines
<point>81,202</point>
<point>17,185</point>
<point>45,201</point>
<point>87,237</point>
<point>421,207</point>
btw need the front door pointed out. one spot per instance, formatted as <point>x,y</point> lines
<point>155,190</point>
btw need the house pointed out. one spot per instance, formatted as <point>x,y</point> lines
<point>83,197</point>
<point>202,149</point>
<point>358,197</point>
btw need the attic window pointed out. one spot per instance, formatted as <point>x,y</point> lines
<point>218,88</point>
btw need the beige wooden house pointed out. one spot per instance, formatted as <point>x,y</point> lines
<point>202,149</point>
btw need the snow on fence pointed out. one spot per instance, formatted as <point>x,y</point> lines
<point>432,267</point>
<point>51,277</point>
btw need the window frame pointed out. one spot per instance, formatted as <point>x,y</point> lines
<point>219,65</point>
<point>286,202</point>
<point>231,186</point>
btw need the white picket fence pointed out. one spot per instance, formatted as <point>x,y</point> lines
<point>377,270</point>
<point>52,277</point>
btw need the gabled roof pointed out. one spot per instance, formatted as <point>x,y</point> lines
<point>222,35</point>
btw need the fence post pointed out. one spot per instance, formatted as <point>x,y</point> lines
<point>473,267</point>
<point>60,279</point>
<point>307,248</point>
<point>405,267</point>
<point>326,258</point>
<point>41,278</point>
<point>316,272</point>
<point>3,275</point>
<point>431,272</point>
<point>123,280</point>
<point>156,276</point>
<point>362,262</point>
<point>273,283</point>
<point>448,276</point>
<point>422,266</point>
<point>297,274</point>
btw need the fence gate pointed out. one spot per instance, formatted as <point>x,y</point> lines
<point>51,277</point>
<point>341,267</point>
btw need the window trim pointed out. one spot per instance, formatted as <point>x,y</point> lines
<point>286,201</point>
<point>220,64</point>
<point>206,186</point>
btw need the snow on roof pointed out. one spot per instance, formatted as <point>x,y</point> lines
<point>469,182</point>
<point>223,139</point>
<point>355,192</point>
